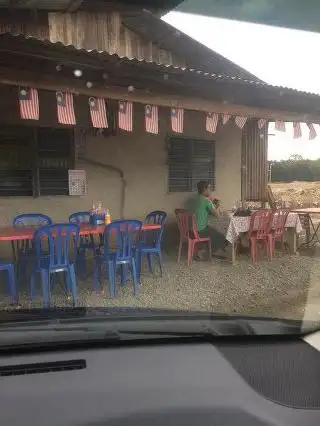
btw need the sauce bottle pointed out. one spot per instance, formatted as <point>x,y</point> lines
<point>107,219</point>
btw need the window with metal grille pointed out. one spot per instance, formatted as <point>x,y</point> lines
<point>189,161</point>
<point>35,161</point>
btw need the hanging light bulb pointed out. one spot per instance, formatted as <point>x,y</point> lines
<point>58,67</point>
<point>89,84</point>
<point>130,88</point>
<point>77,73</point>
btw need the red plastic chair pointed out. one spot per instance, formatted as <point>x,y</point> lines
<point>189,234</point>
<point>277,230</point>
<point>259,231</point>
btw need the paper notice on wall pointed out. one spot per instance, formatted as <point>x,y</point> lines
<point>78,182</point>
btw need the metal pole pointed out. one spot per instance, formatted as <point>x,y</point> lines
<point>270,173</point>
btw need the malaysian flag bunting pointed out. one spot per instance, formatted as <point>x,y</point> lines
<point>280,126</point>
<point>29,103</point>
<point>212,120</point>
<point>65,110</point>
<point>261,123</point>
<point>240,121</point>
<point>312,131</point>
<point>177,120</point>
<point>125,116</point>
<point>296,130</point>
<point>98,113</point>
<point>225,118</point>
<point>151,119</point>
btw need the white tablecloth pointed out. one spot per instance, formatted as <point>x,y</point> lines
<point>239,225</point>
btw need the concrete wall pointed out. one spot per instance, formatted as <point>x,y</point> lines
<point>142,157</point>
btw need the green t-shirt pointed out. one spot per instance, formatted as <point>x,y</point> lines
<point>202,208</point>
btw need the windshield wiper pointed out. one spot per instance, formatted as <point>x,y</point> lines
<point>25,336</point>
<point>97,329</point>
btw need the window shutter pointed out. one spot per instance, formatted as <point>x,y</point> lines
<point>54,161</point>
<point>16,176</point>
<point>203,163</point>
<point>189,162</point>
<point>179,165</point>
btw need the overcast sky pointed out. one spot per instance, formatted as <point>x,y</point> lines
<point>278,56</point>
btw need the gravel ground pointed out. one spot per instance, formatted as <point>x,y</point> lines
<point>279,288</point>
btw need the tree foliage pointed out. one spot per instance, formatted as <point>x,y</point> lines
<point>295,168</point>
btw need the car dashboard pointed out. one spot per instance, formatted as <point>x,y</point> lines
<point>238,383</point>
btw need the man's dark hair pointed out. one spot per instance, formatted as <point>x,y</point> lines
<point>202,186</point>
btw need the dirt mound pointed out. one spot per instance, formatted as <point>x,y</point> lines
<point>297,194</point>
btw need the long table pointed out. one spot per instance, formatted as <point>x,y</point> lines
<point>240,225</point>
<point>12,234</point>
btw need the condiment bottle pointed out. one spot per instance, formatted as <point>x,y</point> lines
<point>107,217</point>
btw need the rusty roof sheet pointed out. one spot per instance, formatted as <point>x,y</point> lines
<point>166,69</point>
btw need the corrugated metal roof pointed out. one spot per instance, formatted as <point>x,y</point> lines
<point>193,52</point>
<point>166,69</point>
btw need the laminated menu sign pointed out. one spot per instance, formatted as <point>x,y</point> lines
<point>77,182</point>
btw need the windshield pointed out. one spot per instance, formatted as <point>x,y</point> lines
<point>158,167</point>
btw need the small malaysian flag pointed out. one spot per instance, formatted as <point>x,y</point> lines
<point>65,110</point>
<point>280,126</point>
<point>312,131</point>
<point>240,121</point>
<point>225,118</point>
<point>151,119</point>
<point>261,123</point>
<point>98,113</point>
<point>29,103</point>
<point>296,130</point>
<point>125,116</point>
<point>212,120</point>
<point>177,120</point>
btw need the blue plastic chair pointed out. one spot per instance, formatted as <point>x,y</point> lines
<point>56,251</point>
<point>9,268</point>
<point>150,244</point>
<point>124,234</point>
<point>25,251</point>
<point>31,219</point>
<point>86,241</point>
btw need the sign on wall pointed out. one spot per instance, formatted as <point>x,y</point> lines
<point>77,182</point>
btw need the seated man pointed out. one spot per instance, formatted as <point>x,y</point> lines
<point>202,207</point>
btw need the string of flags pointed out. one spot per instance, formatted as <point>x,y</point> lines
<point>29,110</point>
<point>280,126</point>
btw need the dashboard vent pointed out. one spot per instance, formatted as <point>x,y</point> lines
<point>42,367</point>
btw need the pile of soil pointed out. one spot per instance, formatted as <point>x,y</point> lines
<point>297,194</point>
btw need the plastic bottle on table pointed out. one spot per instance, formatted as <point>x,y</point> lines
<point>107,217</point>
<point>93,208</point>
